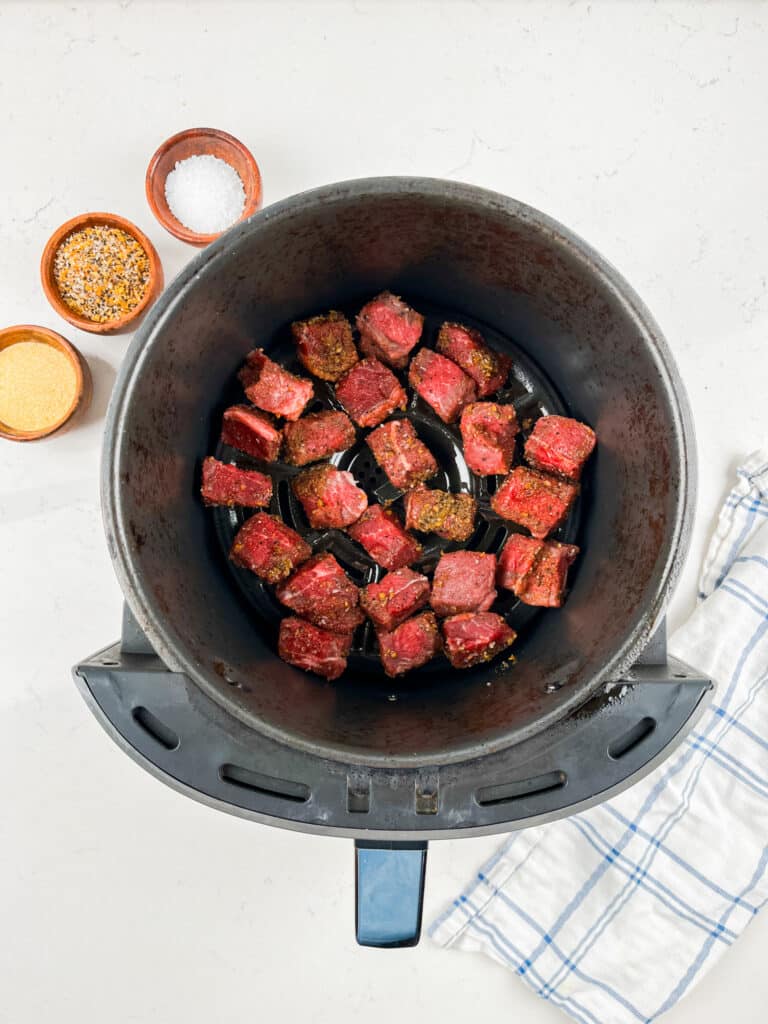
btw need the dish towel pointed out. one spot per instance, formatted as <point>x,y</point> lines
<point>614,914</point>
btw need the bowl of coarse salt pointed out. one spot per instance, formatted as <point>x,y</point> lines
<point>200,182</point>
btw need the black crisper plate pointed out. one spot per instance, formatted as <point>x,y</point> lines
<point>532,395</point>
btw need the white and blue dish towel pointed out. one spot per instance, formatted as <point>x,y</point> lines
<point>614,914</point>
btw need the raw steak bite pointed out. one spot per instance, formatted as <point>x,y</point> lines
<point>473,638</point>
<point>442,384</point>
<point>321,592</point>
<point>516,561</point>
<point>379,531</point>
<point>266,546</point>
<point>451,516</point>
<point>313,649</point>
<point>317,436</point>
<point>272,388</point>
<point>410,645</point>
<point>330,496</point>
<point>466,347</point>
<point>404,458</point>
<point>395,598</point>
<point>325,345</point>
<point>370,392</point>
<point>488,433</point>
<point>251,432</point>
<point>464,582</point>
<point>537,501</point>
<point>224,484</point>
<point>536,570</point>
<point>389,329</point>
<point>561,445</point>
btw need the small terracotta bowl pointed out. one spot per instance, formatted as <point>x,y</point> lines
<point>86,220</point>
<point>83,386</point>
<point>200,142</point>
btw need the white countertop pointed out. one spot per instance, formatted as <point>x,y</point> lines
<point>640,126</point>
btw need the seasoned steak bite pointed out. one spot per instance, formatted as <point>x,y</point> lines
<point>224,484</point>
<point>251,432</point>
<point>329,496</point>
<point>321,592</point>
<point>410,645</point>
<point>313,649</point>
<point>442,384</point>
<point>488,434</point>
<point>370,392</point>
<point>325,345</point>
<point>516,561</point>
<point>467,348</point>
<point>272,388</point>
<point>558,444</point>
<point>536,570</point>
<point>317,436</point>
<point>266,546</point>
<point>464,582</point>
<point>380,532</point>
<point>404,458</point>
<point>451,516</point>
<point>473,638</point>
<point>389,329</point>
<point>395,598</point>
<point>534,500</point>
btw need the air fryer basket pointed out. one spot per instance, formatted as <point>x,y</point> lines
<point>452,248</point>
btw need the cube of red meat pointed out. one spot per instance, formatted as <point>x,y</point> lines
<point>330,496</point>
<point>404,458</point>
<point>266,546</point>
<point>272,388</point>
<point>321,592</point>
<point>516,561</point>
<point>389,329</point>
<point>488,432</point>
<point>558,444</point>
<point>473,638</point>
<point>251,432</point>
<point>464,582</point>
<point>536,570</point>
<point>451,516</point>
<point>370,392</point>
<point>380,532</point>
<point>467,348</point>
<point>410,645</point>
<point>395,598</point>
<point>534,500</point>
<point>441,383</point>
<point>325,345</point>
<point>317,436</point>
<point>224,484</point>
<point>313,649</point>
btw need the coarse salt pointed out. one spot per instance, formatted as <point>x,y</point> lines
<point>205,193</point>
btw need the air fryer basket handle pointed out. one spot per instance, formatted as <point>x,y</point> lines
<point>389,888</point>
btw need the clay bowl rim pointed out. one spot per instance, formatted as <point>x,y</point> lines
<point>154,186</point>
<point>113,220</point>
<point>83,386</point>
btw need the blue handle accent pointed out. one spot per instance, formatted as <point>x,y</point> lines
<point>390,892</point>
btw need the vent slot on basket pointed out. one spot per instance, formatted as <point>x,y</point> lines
<point>631,738</point>
<point>283,789</point>
<point>159,731</point>
<point>506,792</point>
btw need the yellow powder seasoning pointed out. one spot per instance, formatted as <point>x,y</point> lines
<point>38,385</point>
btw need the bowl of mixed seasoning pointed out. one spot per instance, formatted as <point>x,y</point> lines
<point>100,272</point>
<point>200,182</point>
<point>44,382</point>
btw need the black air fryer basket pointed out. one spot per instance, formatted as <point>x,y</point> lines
<point>195,692</point>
